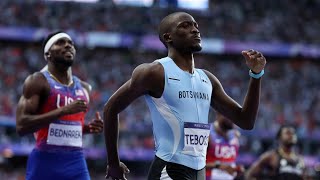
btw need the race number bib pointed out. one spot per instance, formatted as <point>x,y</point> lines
<point>196,137</point>
<point>220,174</point>
<point>65,133</point>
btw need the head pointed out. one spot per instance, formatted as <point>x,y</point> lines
<point>59,49</point>
<point>224,123</point>
<point>180,31</point>
<point>287,136</point>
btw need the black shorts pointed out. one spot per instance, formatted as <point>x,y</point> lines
<point>163,170</point>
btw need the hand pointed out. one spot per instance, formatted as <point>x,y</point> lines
<point>254,60</point>
<point>96,125</point>
<point>117,173</point>
<point>240,169</point>
<point>75,107</point>
<point>229,169</point>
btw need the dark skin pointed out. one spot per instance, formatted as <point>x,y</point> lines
<point>36,90</point>
<point>270,159</point>
<point>221,126</point>
<point>182,38</point>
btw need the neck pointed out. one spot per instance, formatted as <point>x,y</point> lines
<point>286,149</point>
<point>184,61</point>
<point>63,75</point>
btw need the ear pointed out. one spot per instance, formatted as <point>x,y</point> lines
<point>167,38</point>
<point>47,55</point>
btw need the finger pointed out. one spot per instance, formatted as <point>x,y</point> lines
<point>126,169</point>
<point>245,54</point>
<point>260,59</point>
<point>96,125</point>
<point>97,122</point>
<point>98,115</point>
<point>81,101</point>
<point>257,55</point>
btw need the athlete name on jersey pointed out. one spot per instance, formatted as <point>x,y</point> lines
<point>61,133</point>
<point>196,137</point>
<point>193,94</point>
<point>222,151</point>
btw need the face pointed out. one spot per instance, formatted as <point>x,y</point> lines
<point>62,52</point>
<point>185,35</point>
<point>288,136</point>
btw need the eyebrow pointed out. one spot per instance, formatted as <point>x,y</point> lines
<point>188,21</point>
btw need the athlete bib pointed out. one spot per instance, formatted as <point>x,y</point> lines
<point>65,133</point>
<point>196,137</point>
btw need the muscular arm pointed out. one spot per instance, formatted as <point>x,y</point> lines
<point>146,79</point>
<point>35,89</point>
<point>256,169</point>
<point>244,116</point>
<point>87,89</point>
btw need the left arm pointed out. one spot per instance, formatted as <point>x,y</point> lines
<point>96,124</point>
<point>244,116</point>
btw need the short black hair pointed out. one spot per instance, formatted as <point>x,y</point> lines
<point>278,135</point>
<point>50,36</point>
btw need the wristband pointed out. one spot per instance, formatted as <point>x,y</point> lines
<point>256,76</point>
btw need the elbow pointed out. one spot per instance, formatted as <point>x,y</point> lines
<point>247,122</point>
<point>107,112</point>
<point>247,127</point>
<point>21,127</point>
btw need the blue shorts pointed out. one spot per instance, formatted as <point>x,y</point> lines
<point>43,165</point>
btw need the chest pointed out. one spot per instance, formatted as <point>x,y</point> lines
<point>62,95</point>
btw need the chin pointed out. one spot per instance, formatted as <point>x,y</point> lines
<point>196,48</point>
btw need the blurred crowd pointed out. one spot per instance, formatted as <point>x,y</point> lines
<point>290,88</point>
<point>289,91</point>
<point>272,20</point>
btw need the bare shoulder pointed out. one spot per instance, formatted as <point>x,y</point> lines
<point>212,77</point>
<point>86,85</point>
<point>147,71</point>
<point>268,157</point>
<point>35,83</point>
<point>237,133</point>
<point>149,78</point>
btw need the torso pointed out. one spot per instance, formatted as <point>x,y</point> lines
<point>289,168</point>
<point>221,149</point>
<point>66,132</point>
<point>182,110</point>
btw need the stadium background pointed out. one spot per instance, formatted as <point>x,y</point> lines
<point>113,37</point>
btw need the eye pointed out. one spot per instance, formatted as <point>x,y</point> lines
<point>60,41</point>
<point>185,24</point>
<point>196,25</point>
<point>71,42</point>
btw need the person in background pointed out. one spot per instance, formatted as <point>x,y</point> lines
<point>223,150</point>
<point>282,163</point>
<point>53,106</point>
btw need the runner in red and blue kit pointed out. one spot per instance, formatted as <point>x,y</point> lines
<point>53,107</point>
<point>223,150</point>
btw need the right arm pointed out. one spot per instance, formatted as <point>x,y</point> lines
<point>35,90</point>
<point>255,170</point>
<point>145,79</point>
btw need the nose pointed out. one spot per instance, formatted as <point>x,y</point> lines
<point>68,45</point>
<point>195,30</point>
